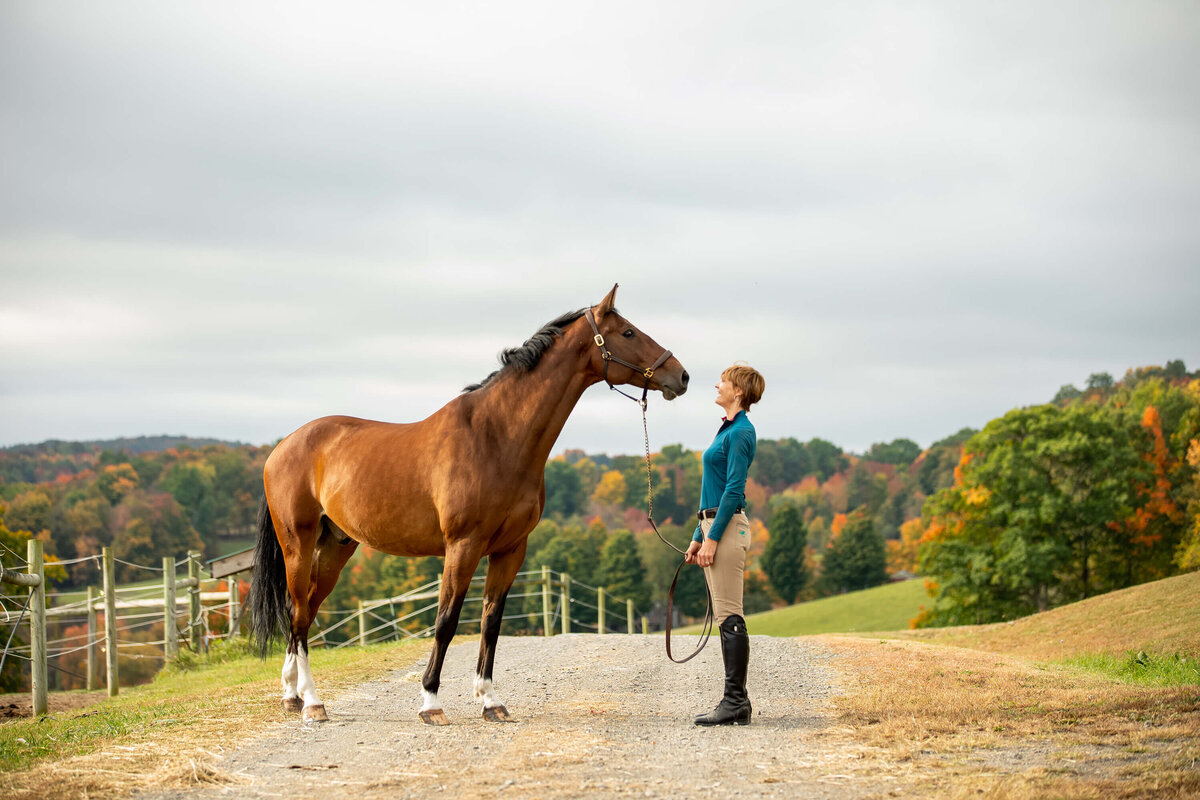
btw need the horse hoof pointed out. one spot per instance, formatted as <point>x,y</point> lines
<point>434,716</point>
<point>292,705</point>
<point>314,714</point>
<point>497,714</point>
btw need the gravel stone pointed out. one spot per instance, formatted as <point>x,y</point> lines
<point>607,715</point>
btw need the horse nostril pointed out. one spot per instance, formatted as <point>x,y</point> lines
<point>685,378</point>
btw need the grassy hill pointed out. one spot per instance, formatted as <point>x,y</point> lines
<point>883,608</point>
<point>1158,617</point>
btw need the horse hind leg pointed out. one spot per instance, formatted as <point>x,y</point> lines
<point>332,552</point>
<point>299,689</point>
<point>502,570</point>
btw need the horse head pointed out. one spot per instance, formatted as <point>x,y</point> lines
<point>626,355</point>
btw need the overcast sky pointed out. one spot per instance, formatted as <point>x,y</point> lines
<point>227,219</point>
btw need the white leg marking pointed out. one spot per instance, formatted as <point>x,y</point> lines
<point>305,685</point>
<point>429,701</point>
<point>288,678</point>
<point>485,691</point>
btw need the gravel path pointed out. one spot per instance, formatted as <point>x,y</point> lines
<point>606,715</point>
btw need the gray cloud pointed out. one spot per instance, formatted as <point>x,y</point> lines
<point>227,221</point>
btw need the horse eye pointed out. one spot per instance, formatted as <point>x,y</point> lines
<point>628,334</point>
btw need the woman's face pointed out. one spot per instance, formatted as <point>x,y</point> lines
<point>727,395</point>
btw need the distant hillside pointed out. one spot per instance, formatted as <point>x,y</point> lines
<point>132,445</point>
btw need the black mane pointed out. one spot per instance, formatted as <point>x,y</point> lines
<point>526,357</point>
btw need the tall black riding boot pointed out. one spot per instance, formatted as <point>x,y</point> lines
<point>734,708</point>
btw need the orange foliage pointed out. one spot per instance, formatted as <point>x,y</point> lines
<point>933,532</point>
<point>809,484</point>
<point>958,470</point>
<point>1158,501</point>
<point>837,491</point>
<point>758,542</point>
<point>756,495</point>
<point>835,527</point>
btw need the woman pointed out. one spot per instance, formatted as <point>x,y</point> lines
<point>722,538</point>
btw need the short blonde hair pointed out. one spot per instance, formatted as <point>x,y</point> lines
<point>747,379</point>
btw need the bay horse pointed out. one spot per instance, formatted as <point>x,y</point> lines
<point>464,483</point>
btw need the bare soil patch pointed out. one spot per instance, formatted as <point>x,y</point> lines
<point>14,706</point>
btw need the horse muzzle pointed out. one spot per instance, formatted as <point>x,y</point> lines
<point>673,386</point>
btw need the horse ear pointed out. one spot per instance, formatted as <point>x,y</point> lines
<point>606,305</point>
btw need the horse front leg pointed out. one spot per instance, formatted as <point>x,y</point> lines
<point>461,562</point>
<point>502,570</point>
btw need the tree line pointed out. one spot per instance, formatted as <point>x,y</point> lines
<point>1095,490</point>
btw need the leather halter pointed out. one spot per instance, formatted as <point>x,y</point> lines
<point>648,373</point>
<point>608,356</point>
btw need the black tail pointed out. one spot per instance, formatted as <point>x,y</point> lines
<point>271,616</point>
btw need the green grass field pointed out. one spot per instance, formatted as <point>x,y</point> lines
<point>883,608</point>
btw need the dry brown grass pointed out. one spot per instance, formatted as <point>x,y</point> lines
<point>1160,616</point>
<point>974,724</point>
<point>181,727</point>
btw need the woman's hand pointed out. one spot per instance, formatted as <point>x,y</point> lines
<point>707,553</point>
<point>690,556</point>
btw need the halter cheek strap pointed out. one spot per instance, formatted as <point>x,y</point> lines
<point>607,355</point>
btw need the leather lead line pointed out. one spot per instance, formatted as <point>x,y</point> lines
<point>648,373</point>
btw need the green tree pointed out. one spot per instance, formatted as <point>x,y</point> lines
<point>1066,393</point>
<point>564,490</point>
<point>898,452</point>
<point>783,557</point>
<point>827,458</point>
<point>621,571</point>
<point>192,487</point>
<point>1039,496</point>
<point>856,559</point>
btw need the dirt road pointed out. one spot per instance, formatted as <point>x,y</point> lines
<point>608,716</point>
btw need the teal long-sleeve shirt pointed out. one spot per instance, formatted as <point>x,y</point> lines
<point>726,463</point>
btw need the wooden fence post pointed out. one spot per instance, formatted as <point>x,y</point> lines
<point>93,640</point>
<point>629,616</point>
<point>566,603</point>
<point>37,628</point>
<point>645,625</point>
<point>547,587</point>
<point>601,596</point>
<point>110,620</point>
<point>170,624</point>
<point>235,602</point>
<point>362,626</point>
<point>194,611</point>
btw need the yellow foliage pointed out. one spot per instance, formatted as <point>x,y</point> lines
<point>977,495</point>
<point>611,489</point>
<point>902,554</point>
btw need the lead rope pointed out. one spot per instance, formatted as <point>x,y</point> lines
<point>709,617</point>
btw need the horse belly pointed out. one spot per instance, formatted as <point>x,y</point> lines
<point>404,532</point>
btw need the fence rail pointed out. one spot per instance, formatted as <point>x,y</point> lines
<point>563,604</point>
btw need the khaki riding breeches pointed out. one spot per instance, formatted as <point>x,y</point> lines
<point>726,575</point>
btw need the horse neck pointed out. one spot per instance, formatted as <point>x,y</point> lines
<point>531,408</point>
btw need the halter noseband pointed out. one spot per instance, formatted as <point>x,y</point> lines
<point>607,355</point>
